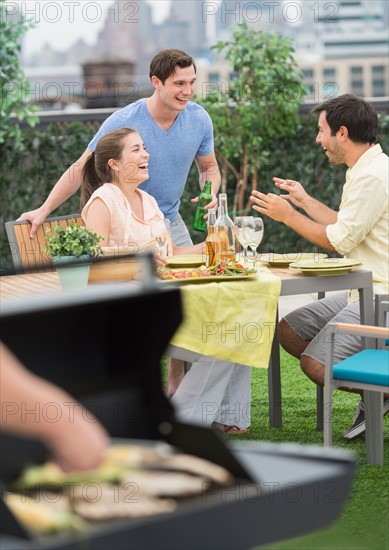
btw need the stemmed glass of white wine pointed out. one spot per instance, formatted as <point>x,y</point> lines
<point>242,232</point>
<point>255,235</point>
<point>161,230</point>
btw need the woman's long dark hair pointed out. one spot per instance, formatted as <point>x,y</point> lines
<point>96,171</point>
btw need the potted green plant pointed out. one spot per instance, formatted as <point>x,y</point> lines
<point>71,250</point>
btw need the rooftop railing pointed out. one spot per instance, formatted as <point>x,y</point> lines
<point>95,117</point>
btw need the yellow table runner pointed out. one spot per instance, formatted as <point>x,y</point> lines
<point>231,320</point>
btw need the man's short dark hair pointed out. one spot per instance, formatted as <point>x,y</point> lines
<point>353,112</point>
<point>164,64</point>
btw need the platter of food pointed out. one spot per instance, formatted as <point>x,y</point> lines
<point>220,272</point>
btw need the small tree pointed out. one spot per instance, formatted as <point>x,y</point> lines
<point>259,106</point>
<point>13,82</point>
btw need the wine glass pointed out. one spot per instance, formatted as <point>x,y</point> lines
<point>255,236</point>
<point>242,232</point>
<point>160,229</point>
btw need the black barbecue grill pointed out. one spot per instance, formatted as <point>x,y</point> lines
<point>89,343</point>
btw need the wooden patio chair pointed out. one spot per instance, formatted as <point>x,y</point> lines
<point>28,253</point>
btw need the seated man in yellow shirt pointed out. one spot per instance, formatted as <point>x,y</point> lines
<point>347,133</point>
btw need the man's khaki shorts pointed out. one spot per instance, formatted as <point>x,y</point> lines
<point>310,321</point>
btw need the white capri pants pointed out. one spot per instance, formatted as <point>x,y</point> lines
<point>215,391</point>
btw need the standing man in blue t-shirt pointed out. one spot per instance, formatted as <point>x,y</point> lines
<point>176,132</point>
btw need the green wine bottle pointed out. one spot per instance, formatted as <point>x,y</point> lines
<point>205,197</point>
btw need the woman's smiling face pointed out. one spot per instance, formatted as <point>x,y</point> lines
<point>132,166</point>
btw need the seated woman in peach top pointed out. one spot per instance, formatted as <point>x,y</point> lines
<point>113,204</point>
<point>213,392</point>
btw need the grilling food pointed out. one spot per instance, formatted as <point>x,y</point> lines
<point>198,466</point>
<point>164,484</point>
<point>120,502</point>
<point>41,517</point>
<point>132,481</point>
<point>122,458</point>
<point>50,473</point>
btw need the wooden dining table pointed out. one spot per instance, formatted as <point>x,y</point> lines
<point>13,287</point>
<point>16,287</point>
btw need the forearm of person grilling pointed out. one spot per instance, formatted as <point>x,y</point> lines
<point>66,186</point>
<point>76,439</point>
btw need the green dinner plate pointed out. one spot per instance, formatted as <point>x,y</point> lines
<point>326,263</point>
<point>285,259</point>
<point>186,260</point>
<point>323,272</point>
<point>325,267</point>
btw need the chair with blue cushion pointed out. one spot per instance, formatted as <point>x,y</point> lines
<point>367,370</point>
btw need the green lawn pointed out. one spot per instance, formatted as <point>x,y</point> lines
<point>364,523</point>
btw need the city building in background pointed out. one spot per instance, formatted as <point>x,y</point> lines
<point>106,83</point>
<point>347,51</point>
<point>341,46</point>
<point>261,15</point>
